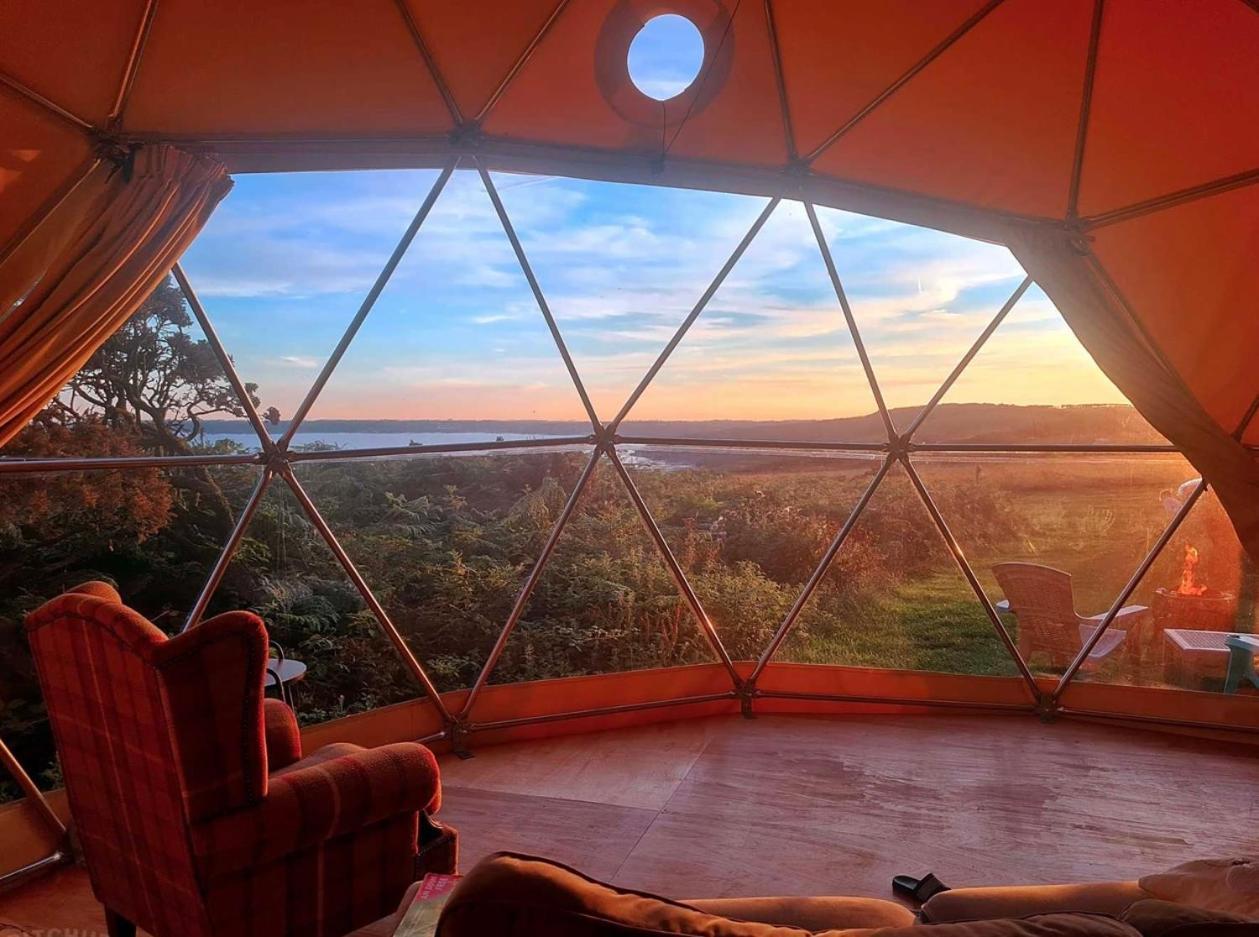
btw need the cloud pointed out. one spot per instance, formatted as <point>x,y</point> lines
<point>621,267</point>
<point>299,361</point>
<point>280,269</point>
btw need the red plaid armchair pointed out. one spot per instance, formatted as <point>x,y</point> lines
<point>196,813</point>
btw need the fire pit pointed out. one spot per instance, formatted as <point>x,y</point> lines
<point>1192,606</point>
<point>1211,611</point>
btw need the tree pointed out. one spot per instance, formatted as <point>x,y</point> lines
<point>152,375</point>
<point>67,517</point>
<point>155,380</point>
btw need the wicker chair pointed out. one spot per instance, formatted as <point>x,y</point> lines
<point>1050,629</point>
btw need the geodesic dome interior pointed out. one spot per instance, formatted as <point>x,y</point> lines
<point>1110,143</point>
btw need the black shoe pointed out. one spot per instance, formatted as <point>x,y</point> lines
<point>917,889</point>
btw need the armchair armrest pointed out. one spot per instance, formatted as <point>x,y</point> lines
<point>439,848</point>
<point>307,806</point>
<point>1127,612</point>
<point>284,741</point>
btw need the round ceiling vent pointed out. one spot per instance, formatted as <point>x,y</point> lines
<point>665,57</point>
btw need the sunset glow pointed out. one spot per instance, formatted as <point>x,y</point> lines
<point>457,334</point>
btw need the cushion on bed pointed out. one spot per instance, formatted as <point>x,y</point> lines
<point>511,895</point>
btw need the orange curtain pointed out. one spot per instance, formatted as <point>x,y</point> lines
<point>1073,278</point>
<point>90,265</point>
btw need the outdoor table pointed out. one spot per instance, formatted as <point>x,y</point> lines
<point>1205,649</point>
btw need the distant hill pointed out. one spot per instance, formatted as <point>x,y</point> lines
<point>956,422</point>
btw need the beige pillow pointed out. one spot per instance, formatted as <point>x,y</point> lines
<point>1230,885</point>
<point>1154,917</point>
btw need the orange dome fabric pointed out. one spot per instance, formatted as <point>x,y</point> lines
<point>1128,128</point>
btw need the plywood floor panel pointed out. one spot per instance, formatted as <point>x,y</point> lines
<point>595,838</point>
<point>638,767</point>
<point>816,805</point>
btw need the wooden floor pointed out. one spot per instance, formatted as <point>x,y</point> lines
<point>800,805</point>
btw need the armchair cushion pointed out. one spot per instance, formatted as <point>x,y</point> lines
<point>319,756</point>
<point>284,741</point>
<point>317,802</point>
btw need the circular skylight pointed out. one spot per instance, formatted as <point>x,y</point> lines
<point>665,56</point>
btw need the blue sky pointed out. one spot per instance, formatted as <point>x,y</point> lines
<point>287,258</point>
<point>665,57</point>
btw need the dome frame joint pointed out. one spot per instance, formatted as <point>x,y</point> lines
<point>467,134</point>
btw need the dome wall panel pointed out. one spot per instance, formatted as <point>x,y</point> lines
<point>473,60</point>
<point>743,122</point>
<point>39,154</point>
<point>991,122</point>
<point>266,68</point>
<point>556,96</point>
<point>73,53</point>
<point>839,55</point>
<point>1174,102</point>
<point>576,90</point>
<point>873,683</point>
<point>1189,274</point>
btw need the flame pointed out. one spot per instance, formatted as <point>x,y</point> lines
<point>1188,584</point>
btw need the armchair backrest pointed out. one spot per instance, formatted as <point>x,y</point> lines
<point>153,735</point>
<point>211,680</point>
<point>1043,601</point>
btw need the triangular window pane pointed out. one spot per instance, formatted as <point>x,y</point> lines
<point>771,357</point>
<point>621,266</point>
<point>1202,589</point>
<point>606,602</point>
<point>283,265</point>
<point>284,571</point>
<point>920,297</point>
<point>455,349</point>
<point>1033,382</point>
<point>153,533</point>
<point>153,388</point>
<point>747,527</point>
<point>446,541</point>
<point>894,598</point>
<point>1058,536</point>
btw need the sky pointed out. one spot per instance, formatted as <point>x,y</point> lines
<point>286,259</point>
<point>665,56</point>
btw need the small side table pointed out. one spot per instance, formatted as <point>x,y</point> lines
<point>282,673</point>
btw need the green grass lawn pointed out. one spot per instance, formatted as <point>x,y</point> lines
<point>933,623</point>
